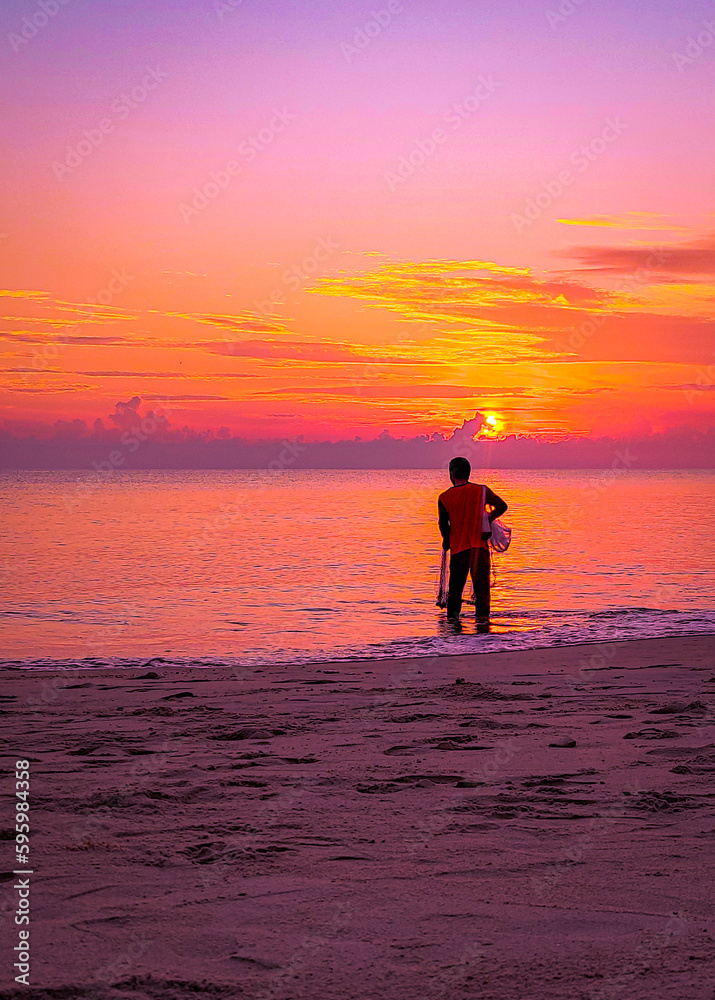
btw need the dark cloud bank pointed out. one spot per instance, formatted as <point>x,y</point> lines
<point>136,440</point>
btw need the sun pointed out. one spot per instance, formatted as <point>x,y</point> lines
<point>491,424</point>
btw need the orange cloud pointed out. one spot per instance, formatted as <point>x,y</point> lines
<point>631,221</point>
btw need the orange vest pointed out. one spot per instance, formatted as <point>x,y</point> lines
<point>464,505</point>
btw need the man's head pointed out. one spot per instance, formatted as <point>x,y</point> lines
<point>459,469</point>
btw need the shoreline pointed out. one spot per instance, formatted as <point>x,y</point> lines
<point>527,823</point>
<point>139,662</point>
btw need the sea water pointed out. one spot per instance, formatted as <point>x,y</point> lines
<point>257,567</point>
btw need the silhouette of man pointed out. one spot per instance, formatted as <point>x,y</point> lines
<point>460,509</point>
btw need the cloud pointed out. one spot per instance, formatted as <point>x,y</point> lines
<point>247,323</point>
<point>22,293</point>
<point>82,339</point>
<point>648,221</point>
<point>690,387</point>
<point>321,352</point>
<point>126,415</point>
<point>242,322</point>
<point>220,375</point>
<point>434,391</point>
<point>42,321</point>
<point>411,391</point>
<point>42,387</point>
<point>194,376</point>
<point>157,397</point>
<point>510,315</point>
<point>696,257</point>
<point>118,374</point>
<point>96,311</point>
<point>66,313</point>
<point>71,445</point>
<point>451,327</point>
<point>502,314</point>
<point>426,391</point>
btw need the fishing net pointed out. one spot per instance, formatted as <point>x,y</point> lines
<point>443,582</point>
<point>499,542</point>
<point>501,536</point>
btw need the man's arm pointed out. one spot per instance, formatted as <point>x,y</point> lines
<point>443,524</point>
<point>496,503</point>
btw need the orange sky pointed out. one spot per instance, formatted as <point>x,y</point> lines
<point>253,227</point>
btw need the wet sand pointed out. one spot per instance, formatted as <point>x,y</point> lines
<point>533,824</point>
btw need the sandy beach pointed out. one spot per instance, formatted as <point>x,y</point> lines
<point>533,824</point>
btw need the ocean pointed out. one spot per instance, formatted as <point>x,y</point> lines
<point>239,567</point>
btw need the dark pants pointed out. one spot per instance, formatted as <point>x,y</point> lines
<point>476,562</point>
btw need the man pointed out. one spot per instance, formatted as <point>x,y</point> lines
<point>459,523</point>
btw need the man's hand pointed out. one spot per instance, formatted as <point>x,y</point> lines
<point>497,504</point>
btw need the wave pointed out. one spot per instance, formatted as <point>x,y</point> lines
<point>511,630</point>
